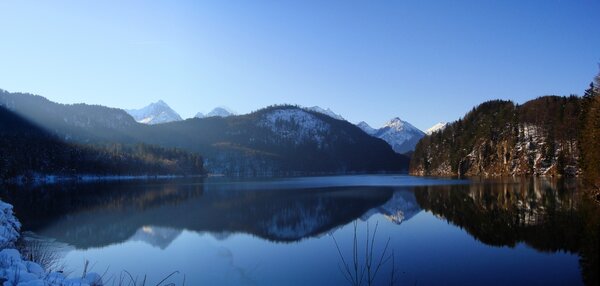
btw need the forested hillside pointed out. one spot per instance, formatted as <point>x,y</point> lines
<point>27,151</point>
<point>500,138</point>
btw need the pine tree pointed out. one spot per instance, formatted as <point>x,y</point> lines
<point>590,135</point>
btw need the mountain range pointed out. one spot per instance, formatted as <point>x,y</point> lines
<point>399,134</point>
<point>277,140</point>
<point>160,112</point>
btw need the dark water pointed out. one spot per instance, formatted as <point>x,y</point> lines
<point>284,231</point>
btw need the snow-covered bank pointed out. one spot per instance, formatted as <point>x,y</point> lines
<point>16,271</point>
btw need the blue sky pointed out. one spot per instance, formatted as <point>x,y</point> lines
<point>367,60</point>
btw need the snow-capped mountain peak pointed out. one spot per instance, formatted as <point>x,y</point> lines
<point>399,125</point>
<point>401,135</point>
<point>366,128</point>
<point>154,113</point>
<point>437,127</point>
<point>327,112</point>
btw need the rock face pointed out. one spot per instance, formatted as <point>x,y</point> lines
<point>499,138</point>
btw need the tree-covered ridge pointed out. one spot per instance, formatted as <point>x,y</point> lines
<point>500,138</point>
<point>27,150</point>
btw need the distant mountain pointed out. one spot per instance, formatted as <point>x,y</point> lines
<point>155,113</point>
<point>401,135</point>
<point>199,115</point>
<point>437,127</point>
<point>220,112</point>
<point>366,128</point>
<point>278,140</point>
<point>501,138</point>
<point>327,111</point>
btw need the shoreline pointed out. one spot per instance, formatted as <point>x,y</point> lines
<point>83,178</point>
<point>17,270</point>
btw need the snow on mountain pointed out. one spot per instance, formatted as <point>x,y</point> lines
<point>437,127</point>
<point>366,128</point>
<point>155,113</point>
<point>401,135</point>
<point>296,124</point>
<point>219,111</point>
<point>199,115</point>
<point>327,111</point>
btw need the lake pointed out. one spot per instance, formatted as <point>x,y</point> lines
<point>305,231</point>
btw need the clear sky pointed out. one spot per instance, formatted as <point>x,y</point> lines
<point>366,60</point>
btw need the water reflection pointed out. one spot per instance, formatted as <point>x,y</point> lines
<point>97,215</point>
<point>548,215</point>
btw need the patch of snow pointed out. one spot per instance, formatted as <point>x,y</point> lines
<point>437,127</point>
<point>296,125</point>
<point>9,226</point>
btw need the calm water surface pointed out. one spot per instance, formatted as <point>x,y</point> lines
<point>284,231</point>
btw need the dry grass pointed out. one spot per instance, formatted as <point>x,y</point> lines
<point>363,270</point>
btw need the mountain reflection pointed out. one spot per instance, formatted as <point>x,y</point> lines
<point>103,214</point>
